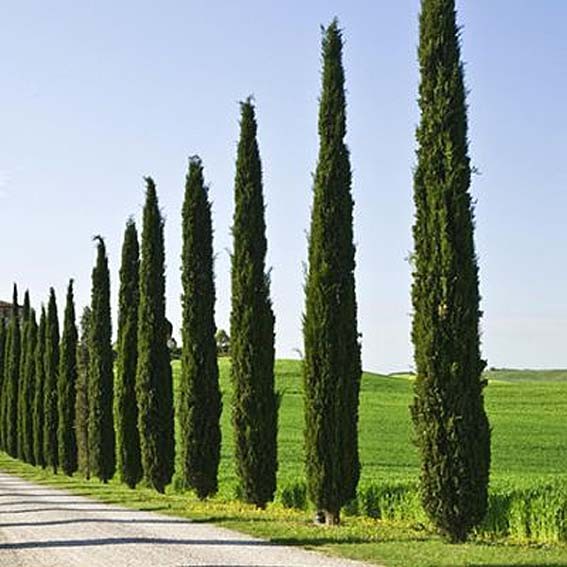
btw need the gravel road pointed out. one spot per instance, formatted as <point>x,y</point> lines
<point>47,527</point>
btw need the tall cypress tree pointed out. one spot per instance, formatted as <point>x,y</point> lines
<point>154,389</point>
<point>3,333</point>
<point>129,458</point>
<point>199,394</point>
<point>332,367</point>
<point>451,426</point>
<point>13,378</point>
<point>82,398</point>
<point>51,366</point>
<point>24,320</point>
<point>255,403</point>
<point>5,381</point>
<point>66,389</point>
<point>38,410</point>
<point>101,377</point>
<point>22,385</point>
<point>4,391</point>
<point>28,390</point>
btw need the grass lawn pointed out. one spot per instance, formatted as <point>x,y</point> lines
<point>529,445</point>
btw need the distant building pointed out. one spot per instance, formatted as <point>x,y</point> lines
<point>6,310</point>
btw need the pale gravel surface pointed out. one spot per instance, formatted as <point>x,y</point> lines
<point>47,527</point>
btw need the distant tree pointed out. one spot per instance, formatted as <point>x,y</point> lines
<point>102,460</point>
<point>255,402</point>
<point>22,386</point>
<point>66,389</point>
<point>51,366</point>
<point>129,457</point>
<point>223,343</point>
<point>332,367</point>
<point>82,398</point>
<point>451,426</point>
<point>28,391</point>
<point>12,378</point>
<point>154,388</point>
<point>39,392</point>
<point>199,394</point>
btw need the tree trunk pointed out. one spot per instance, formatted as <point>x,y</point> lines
<point>332,517</point>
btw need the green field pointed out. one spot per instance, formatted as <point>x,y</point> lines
<point>528,512</point>
<point>528,419</point>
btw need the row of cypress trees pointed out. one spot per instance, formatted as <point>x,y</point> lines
<point>37,375</point>
<point>57,393</point>
<point>452,430</point>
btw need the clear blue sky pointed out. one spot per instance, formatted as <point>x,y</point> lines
<point>96,95</point>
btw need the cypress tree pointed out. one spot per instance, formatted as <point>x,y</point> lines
<point>154,389</point>
<point>2,369</point>
<point>199,394</point>
<point>51,367</point>
<point>24,319</point>
<point>102,460</point>
<point>28,388</point>
<point>22,382</point>
<point>332,367</point>
<point>82,399</point>
<point>255,403</point>
<point>452,431</point>
<point>38,411</point>
<point>5,381</point>
<point>66,389</point>
<point>129,458</point>
<point>13,379</point>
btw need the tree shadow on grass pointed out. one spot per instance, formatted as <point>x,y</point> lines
<point>340,540</point>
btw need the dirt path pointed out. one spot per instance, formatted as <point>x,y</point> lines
<point>47,527</point>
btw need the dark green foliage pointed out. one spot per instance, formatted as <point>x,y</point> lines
<point>255,402</point>
<point>38,413</point>
<point>24,319</point>
<point>82,398</point>
<point>199,393</point>
<point>66,389</point>
<point>102,459</point>
<point>451,426</point>
<point>154,389</point>
<point>3,333</point>
<point>22,383</point>
<point>12,379</point>
<point>332,367</point>
<point>51,368</point>
<point>27,394</point>
<point>4,391</point>
<point>128,438</point>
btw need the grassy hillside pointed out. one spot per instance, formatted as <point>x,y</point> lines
<point>528,419</point>
<point>526,375</point>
